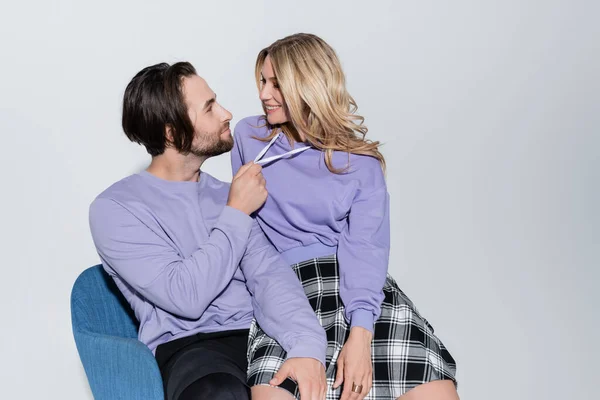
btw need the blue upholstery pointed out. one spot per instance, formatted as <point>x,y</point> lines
<point>117,365</point>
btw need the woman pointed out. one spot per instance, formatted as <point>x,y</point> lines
<point>327,213</point>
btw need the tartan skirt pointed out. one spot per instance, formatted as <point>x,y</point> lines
<point>404,351</point>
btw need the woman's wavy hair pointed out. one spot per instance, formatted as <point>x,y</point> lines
<point>313,86</point>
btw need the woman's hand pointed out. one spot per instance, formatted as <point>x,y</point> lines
<point>354,366</point>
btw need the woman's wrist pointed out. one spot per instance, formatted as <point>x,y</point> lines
<point>362,318</point>
<point>361,333</point>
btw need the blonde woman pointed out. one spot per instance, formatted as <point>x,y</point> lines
<point>328,215</point>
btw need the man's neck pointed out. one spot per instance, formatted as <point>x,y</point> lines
<point>173,166</point>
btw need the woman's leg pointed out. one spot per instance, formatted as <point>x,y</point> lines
<point>264,392</point>
<point>438,390</point>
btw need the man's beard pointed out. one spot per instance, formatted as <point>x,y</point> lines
<point>210,147</point>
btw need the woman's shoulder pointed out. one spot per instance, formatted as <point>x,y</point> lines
<point>367,169</point>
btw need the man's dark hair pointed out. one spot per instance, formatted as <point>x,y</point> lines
<point>153,101</point>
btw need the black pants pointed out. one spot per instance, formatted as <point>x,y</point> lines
<point>205,366</point>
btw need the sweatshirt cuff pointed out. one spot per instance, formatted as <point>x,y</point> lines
<point>363,318</point>
<point>235,218</point>
<point>312,349</point>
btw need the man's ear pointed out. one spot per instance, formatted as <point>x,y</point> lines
<point>169,135</point>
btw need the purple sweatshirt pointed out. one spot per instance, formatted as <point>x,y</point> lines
<point>187,263</point>
<point>312,212</point>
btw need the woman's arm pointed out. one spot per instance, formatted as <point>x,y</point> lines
<point>363,251</point>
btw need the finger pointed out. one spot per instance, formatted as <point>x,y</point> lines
<point>243,169</point>
<point>369,382</point>
<point>347,393</point>
<point>260,179</point>
<point>364,381</point>
<point>363,391</point>
<point>307,391</point>
<point>339,376</point>
<point>358,396</point>
<point>255,169</point>
<point>280,376</point>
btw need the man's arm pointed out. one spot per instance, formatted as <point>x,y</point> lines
<point>280,304</point>
<point>181,286</point>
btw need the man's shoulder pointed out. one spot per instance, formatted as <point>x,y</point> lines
<point>122,190</point>
<point>114,198</point>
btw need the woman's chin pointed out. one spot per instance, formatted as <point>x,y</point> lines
<point>275,119</point>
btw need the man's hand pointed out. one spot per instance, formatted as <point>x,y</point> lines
<point>248,189</point>
<point>309,373</point>
<point>354,365</point>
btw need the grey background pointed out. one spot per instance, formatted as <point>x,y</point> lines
<point>490,116</point>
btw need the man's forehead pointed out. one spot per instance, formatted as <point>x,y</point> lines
<point>196,90</point>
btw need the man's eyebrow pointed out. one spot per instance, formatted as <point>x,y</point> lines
<point>209,102</point>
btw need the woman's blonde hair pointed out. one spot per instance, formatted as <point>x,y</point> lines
<point>313,86</point>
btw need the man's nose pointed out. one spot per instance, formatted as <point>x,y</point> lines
<point>226,115</point>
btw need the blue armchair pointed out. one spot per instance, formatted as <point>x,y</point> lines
<point>117,365</point>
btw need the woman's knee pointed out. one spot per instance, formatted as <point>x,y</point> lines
<point>440,389</point>
<point>265,392</point>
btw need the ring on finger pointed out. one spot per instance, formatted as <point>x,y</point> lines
<point>356,388</point>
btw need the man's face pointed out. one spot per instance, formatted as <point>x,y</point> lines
<point>210,119</point>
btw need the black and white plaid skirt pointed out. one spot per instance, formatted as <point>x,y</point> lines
<point>405,352</point>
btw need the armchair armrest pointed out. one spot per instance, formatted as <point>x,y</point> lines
<point>119,368</point>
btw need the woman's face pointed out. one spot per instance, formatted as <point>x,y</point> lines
<point>271,96</point>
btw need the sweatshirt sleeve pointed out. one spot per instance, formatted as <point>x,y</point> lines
<point>280,305</point>
<point>151,266</point>
<point>363,252</point>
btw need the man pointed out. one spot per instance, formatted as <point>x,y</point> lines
<point>188,257</point>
